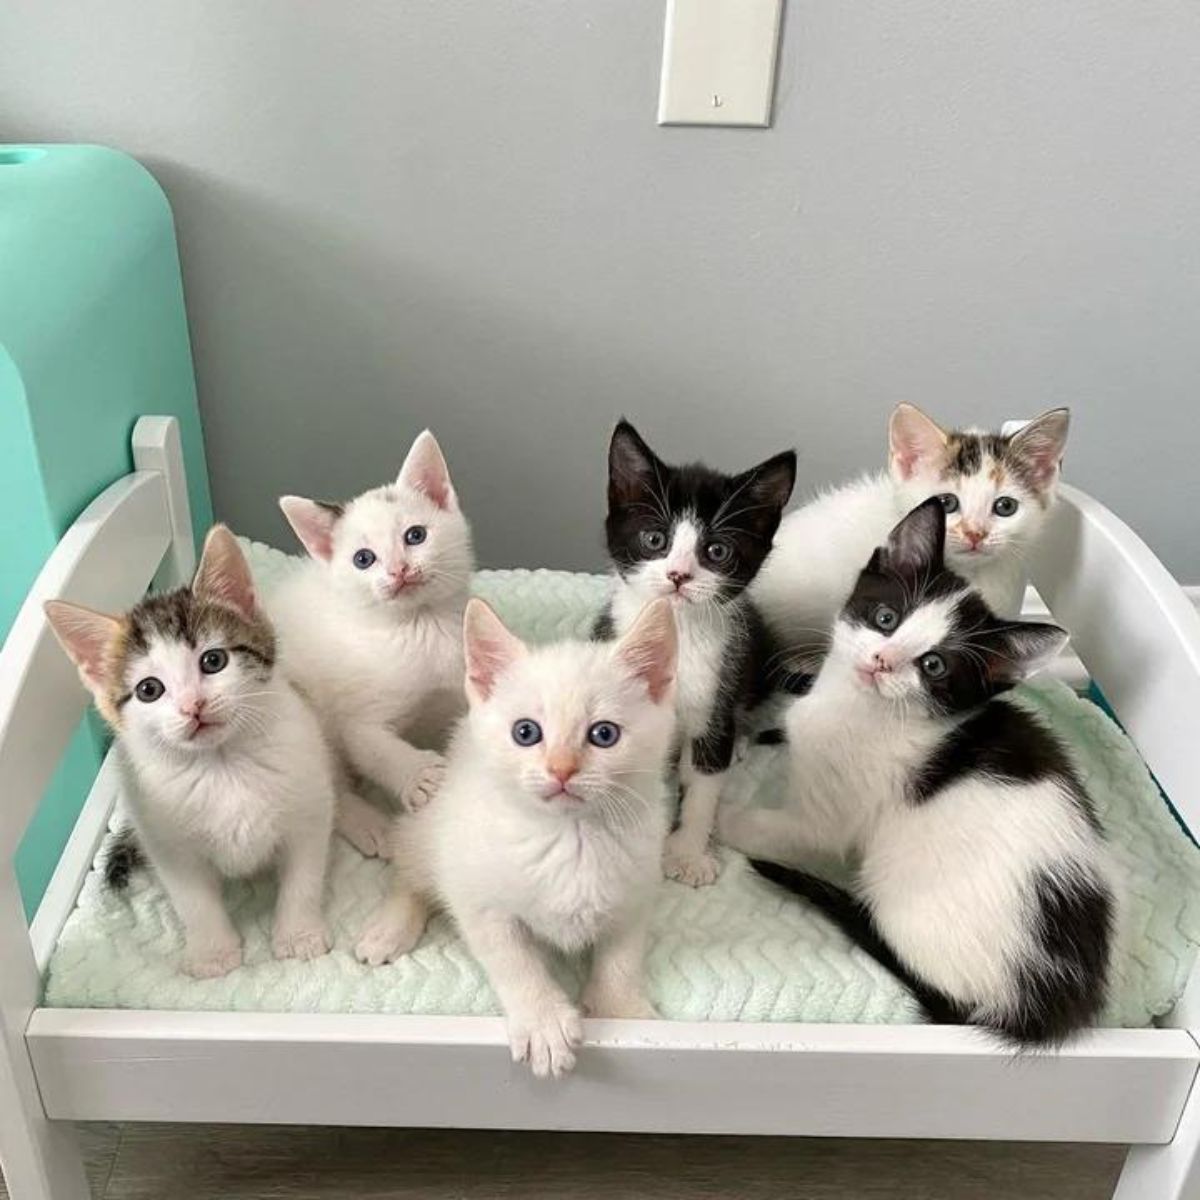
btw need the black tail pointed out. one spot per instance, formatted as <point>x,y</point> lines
<point>123,858</point>
<point>854,919</point>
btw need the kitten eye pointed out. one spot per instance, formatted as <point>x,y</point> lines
<point>654,540</point>
<point>212,661</point>
<point>933,665</point>
<point>414,535</point>
<point>149,689</point>
<point>949,502</point>
<point>363,558</point>
<point>604,734</point>
<point>526,732</point>
<point>717,552</point>
<point>1005,506</point>
<point>885,617</point>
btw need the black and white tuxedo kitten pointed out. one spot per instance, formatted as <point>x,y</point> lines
<point>983,880</point>
<point>997,490</point>
<point>698,537</point>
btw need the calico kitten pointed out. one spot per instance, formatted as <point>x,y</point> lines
<point>697,537</point>
<point>226,769</point>
<point>997,491</point>
<point>371,629</point>
<point>983,877</point>
<point>549,826</point>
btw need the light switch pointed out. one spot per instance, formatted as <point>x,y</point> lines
<point>719,62</point>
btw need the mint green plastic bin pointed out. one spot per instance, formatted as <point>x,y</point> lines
<point>93,334</point>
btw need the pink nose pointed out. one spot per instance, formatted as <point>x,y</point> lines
<point>882,666</point>
<point>192,707</point>
<point>679,578</point>
<point>400,574</point>
<point>973,536</point>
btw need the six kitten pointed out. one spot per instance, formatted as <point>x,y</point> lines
<point>549,826</point>
<point>983,880</point>
<point>997,491</point>
<point>697,537</point>
<point>225,768</point>
<point>371,628</point>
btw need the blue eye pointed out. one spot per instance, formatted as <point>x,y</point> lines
<point>604,734</point>
<point>414,535</point>
<point>949,502</point>
<point>363,558</point>
<point>717,552</point>
<point>885,617</point>
<point>212,661</point>
<point>1005,506</point>
<point>654,540</point>
<point>934,665</point>
<point>149,689</point>
<point>526,732</point>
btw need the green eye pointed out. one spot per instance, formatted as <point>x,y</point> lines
<point>1005,506</point>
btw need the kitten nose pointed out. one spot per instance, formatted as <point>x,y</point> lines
<point>192,706</point>
<point>679,578</point>
<point>973,536</point>
<point>562,764</point>
<point>881,664</point>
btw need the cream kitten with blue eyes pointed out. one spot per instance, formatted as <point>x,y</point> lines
<point>371,629</point>
<point>225,768</point>
<point>997,491</point>
<point>549,827</point>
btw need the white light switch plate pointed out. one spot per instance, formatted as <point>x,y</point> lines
<point>719,62</point>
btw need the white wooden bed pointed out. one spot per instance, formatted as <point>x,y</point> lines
<point>1135,632</point>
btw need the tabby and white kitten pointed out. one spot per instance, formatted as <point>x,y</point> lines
<point>371,629</point>
<point>697,537</point>
<point>226,769</point>
<point>983,877</point>
<point>549,826</point>
<point>997,491</point>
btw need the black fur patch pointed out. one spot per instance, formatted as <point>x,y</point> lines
<point>1004,743</point>
<point>124,857</point>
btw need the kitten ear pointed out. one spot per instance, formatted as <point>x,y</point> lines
<point>86,637</point>
<point>918,543</point>
<point>313,522</point>
<point>771,482</point>
<point>223,576</point>
<point>489,647</point>
<point>914,441</point>
<point>425,471</point>
<point>1027,647</point>
<point>650,649</point>
<point>1039,445</point>
<point>632,466</point>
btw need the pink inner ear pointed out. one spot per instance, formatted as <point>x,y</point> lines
<point>487,659</point>
<point>224,575</point>
<point>313,524</point>
<point>915,440</point>
<point>425,471</point>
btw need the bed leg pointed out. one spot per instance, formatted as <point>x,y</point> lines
<point>41,1159</point>
<point>1170,1172</point>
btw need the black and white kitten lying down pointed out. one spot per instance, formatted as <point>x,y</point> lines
<point>983,879</point>
<point>698,537</point>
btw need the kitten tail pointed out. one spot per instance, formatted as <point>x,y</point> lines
<point>124,857</point>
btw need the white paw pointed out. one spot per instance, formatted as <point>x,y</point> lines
<point>546,1038</point>
<point>206,961</point>
<point>629,1005</point>
<point>422,785</point>
<point>741,748</point>
<point>684,862</point>
<point>389,933</point>
<point>366,828</point>
<point>304,943</point>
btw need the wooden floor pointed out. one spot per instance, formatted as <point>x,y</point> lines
<point>205,1162</point>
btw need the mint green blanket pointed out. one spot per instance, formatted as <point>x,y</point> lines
<point>738,951</point>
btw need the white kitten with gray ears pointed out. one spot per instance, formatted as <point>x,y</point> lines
<point>996,489</point>
<point>549,826</point>
<point>371,629</point>
<point>226,770</point>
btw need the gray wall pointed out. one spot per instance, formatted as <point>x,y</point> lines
<point>459,213</point>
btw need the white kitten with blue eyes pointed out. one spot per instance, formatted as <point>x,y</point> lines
<point>371,629</point>
<point>549,827</point>
<point>997,491</point>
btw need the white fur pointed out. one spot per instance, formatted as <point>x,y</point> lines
<point>821,547</point>
<point>516,862</point>
<point>947,880</point>
<point>381,663</point>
